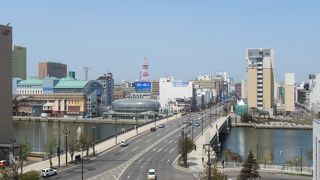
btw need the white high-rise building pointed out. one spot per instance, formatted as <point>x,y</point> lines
<point>314,94</point>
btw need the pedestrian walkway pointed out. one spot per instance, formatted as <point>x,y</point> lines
<point>101,147</point>
<point>199,157</point>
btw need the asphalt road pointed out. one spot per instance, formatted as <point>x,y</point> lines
<point>148,150</point>
<point>271,176</point>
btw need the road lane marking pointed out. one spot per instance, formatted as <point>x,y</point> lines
<point>168,161</point>
<point>149,135</point>
<point>159,134</point>
<point>170,141</point>
<point>160,149</point>
<point>171,150</point>
<point>134,148</point>
<point>166,141</point>
<point>166,150</point>
<point>154,149</point>
<point>129,176</point>
<point>123,149</point>
<point>140,160</point>
<point>139,140</point>
<point>175,142</point>
<point>148,141</point>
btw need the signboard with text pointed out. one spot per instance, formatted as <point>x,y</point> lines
<point>142,86</point>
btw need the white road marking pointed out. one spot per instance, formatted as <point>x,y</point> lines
<point>159,134</point>
<point>140,160</point>
<point>166,141</point>
<point>170,141</point>
<point>134,148</point>
<point>123,149</point>
<point>148,141</point>
<point>149,135</point>
<point>175,142</point>
<point>154,149</point>
<point>160,149</point>
<point>168,161</point>
<point>166,150</point>
<point>129,176</point>
<point>139,140</point>
<point>171,150</point>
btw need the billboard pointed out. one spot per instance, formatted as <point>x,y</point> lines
<point>180,84</point>
<point>142,86</point>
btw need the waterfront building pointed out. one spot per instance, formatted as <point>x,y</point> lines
<point>171,89</point>
<point>107,83</point>
<point>316,149</point>
<point>52,69</point>
<point>133,108</point>
<point>155,90</point>
<point>260,78</point>
<point>19,62</point>
<point>301,93</point>
<point>6,132</point>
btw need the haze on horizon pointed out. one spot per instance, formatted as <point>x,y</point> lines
<point>180,38</point>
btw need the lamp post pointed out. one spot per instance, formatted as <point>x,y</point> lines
<point>66,134</point>
<point>93,127</point>
<point>115,130</point>
<point>58,148</point>
<point>209,161</point>
<point>301,145</point>
<point>136,118</point>
<point>202,125</point>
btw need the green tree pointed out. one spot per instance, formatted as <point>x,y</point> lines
<point>84,144</point>
<point>50,148</point>
<point>249,168</point>
<point>246,117</point>
<point>73,147</point>
<point>31,175</point>
<point>309,154</point>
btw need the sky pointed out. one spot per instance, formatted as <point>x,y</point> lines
<point>181,38</point>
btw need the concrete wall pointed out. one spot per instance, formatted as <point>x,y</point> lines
<point>6,131</point>
<point>251,88</point>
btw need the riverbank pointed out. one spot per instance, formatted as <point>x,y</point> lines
<point>273,125</point>
<point>81,120</point>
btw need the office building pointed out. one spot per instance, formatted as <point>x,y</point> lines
<point>19,62</point>
<point>52,69</point>
<point>6,133</point>
<point>107,83</point>
<point>260,78</point>
<point>313,97</point>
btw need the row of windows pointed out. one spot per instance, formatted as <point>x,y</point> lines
<point>29,91</point>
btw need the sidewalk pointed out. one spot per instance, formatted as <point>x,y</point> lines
<point>99,148</point>
<point>195,157</point>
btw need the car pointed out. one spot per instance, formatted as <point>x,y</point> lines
<point>197,124</point>
<point>4,163</point>
<point>124,143</point>
<point>189,123</point>
<point>153,129</point>
<point>161,126</point>
<point>48,172</point>
<point>152,174</point>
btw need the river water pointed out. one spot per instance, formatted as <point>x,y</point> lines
<point>39,133</point>
<point>278,145</point>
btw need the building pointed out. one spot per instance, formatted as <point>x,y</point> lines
<point>316,149</point>
<point>260,78</point>
<point>107,83</point>
<point>313,97</point>
<point>171,89</point>
<point>52,69</point>
<point>289,90</point>
<point>133,108</point>
<point>6,132</point>
<point>155,90</point>
<point>19,62</point>
<point>212,83</point>
<point>237,89</point>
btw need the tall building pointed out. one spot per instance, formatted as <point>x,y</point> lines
<point>6,131</point>
<point>107,83</point>
<point>52,69</point>
<point>313,97</point>
<point>19,62</point>
<point>260,78</point>
<point>289,90</point>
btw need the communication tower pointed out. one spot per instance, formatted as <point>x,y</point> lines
<point>145,73</point>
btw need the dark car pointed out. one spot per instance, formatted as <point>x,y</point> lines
<point>153,129</point>
<point>197,124</point>
<point>161,126</point>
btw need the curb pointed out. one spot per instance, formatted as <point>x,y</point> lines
<point>176,166</point>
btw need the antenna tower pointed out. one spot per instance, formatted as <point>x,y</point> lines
<point>86,71</point>
<point>145,73</point>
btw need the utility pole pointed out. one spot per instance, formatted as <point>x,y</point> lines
<point>202,125</point>
<point>93,139</point>
<point>86,71</point>
<point>209,161</point>
<point>58,148</point>
<point>301,145</point>
<point>116,131</point>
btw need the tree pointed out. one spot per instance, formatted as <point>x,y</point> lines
<point>50,148</point>
<point>309,154</point>
<point>246,117</point>
<point>249,168</point>
<point>31,175</point>
<point>84,144</point>
<point>215,174</point>
<point>185,145</point>
<point>73,147</point>
<point>24,151</point>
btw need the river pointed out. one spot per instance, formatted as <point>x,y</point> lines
<point>39,133</point>
<point>278,145</point>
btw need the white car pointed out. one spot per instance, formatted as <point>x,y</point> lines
<point>48,172</point>
<point>124,143</point>
<point>152,174</point>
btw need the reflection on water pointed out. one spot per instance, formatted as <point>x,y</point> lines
<point>39,133</point>
<point>276,145</point>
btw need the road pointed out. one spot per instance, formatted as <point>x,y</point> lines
<point>147,150</point>
<point>271,176</point>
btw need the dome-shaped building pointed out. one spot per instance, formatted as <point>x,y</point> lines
<point>134,107</point>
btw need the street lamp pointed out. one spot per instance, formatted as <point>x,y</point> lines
<point>209,163</point>
<point>66,134</point>
<point>115,130</point>
<point>301,145</point>
<point>93,127</point>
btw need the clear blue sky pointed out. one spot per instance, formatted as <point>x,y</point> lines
<point>180,37</point>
